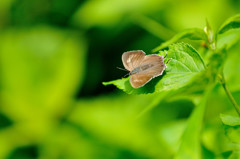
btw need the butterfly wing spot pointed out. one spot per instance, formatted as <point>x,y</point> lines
<point>129,60</point>
<point>132,59</point>
<point>139,80</point>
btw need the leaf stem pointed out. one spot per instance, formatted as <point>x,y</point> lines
<point>229,94</point>
<point>153,27</point>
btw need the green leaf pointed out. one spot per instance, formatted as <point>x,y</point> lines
<point>108,13</point>
<point>231,23</point>
<point>41,69</point>
<point>152,26</point>
<point>208,30</point>
<point>190,146</point>
<point>229,33</point>
<point>117,125</point>
<point>57,63</point>
<point>230,120</point>
<point>228,39</point>
<point>232,131</point>
<point>186,64</point>
<point>191,34</point>
<point>235,155</point>
<point>232,68</point>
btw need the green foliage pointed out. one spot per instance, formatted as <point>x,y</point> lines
<point>191,34</point>
<point>232,131</point>
<point>231,23</point>
<point>232,127</point>
<point>230,120</point>
<point>228,39</point>
<point>55,54</point>
<point>229,33</point>
<point>37,64</point>
<point>184,70</point>
<point>191,144</point>
<point>232,68</point>
<point>120,115</point>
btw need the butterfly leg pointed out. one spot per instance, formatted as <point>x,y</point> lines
<point>165,55</point>
<point>168,61</point>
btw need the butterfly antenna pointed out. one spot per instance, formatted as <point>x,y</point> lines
<point>168,61</point>
<point>121,69</point>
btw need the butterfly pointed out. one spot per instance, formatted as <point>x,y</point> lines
<point>142,68</point>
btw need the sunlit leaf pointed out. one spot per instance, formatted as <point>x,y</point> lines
<point>153,27</point>
<point>190,143</point>
<point>231,23</point>
<point>232,127</point>
<point>117,124</point>
<point>110,12</point>
<point>56,58</point>
<point>41,69</point>
<point>228,39</point>
<point>232,131</point>
<point>191,34</point>
<point>70,141</point>
<point>232,68</point>
<point>229,33</point>
<point>186,63</point>
<point>235,154</point>
<point>230,120</point>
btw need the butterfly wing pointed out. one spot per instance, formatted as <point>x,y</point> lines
<point>151,66</point>
<point>156,65</point>
<point>139,80</point>
<point>132,59</point>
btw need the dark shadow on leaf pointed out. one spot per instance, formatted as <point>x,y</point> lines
<point>25,152</point>
<point>5,121</point>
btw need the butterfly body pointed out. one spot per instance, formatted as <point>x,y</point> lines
<point>136,70</point>
<point>142,68</point>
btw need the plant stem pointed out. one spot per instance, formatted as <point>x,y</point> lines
<point>229,94</point>
<point>213,41</point>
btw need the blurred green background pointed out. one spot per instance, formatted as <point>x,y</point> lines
<point>54,56</point>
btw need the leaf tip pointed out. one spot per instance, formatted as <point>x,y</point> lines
<point>106,83</point>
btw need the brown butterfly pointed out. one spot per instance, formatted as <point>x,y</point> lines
<point>143,67</point>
